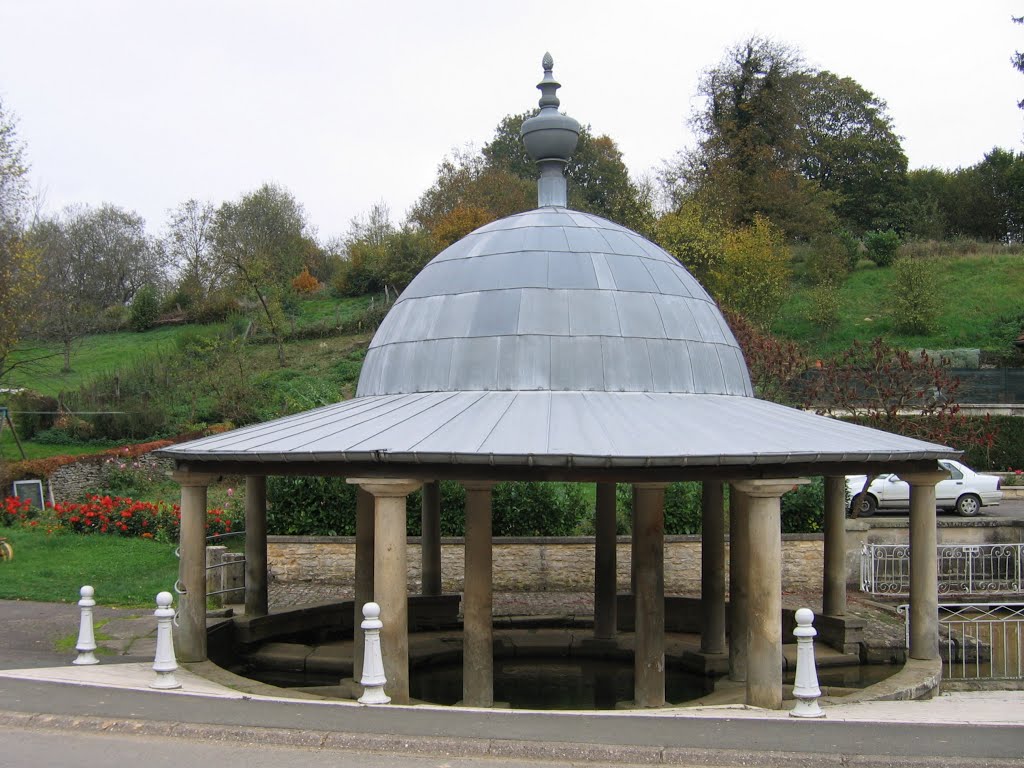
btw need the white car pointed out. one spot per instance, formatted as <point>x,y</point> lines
<point>966,491</point>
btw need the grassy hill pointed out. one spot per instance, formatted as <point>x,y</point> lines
<point>193,375</point>
<point>982,307</point>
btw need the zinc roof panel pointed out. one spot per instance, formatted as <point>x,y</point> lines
<point>593,313</point>
<point>677,318</point>
<point>571,270</point>
<point>639,316</point>
<point>576,363</point>
<point>544,311</point>
<point>496,314</point>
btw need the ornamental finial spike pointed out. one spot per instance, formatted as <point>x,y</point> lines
<point>550,139</point>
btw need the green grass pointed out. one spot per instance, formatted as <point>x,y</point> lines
<point>54,567</point>
<point>9,449</point>
<point>97,355</point>
<point>977,290</point>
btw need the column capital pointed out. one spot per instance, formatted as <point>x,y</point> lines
<point>193,479</point>
<point>386,487</point>
<point>924,478</point>
<point>478,485</point>
<point>766,489</point>
<point>651,486</point>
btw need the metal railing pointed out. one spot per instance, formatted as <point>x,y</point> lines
<point>964,569</point>
<point>237,564</point>
<point>979,641</point>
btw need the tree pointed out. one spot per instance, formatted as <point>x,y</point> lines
<point>1018,58</point>
<point>19,262</point>
<point>262,241</point>
<point>752,278</point>
<point>781,140</point>
<point>190,248</point>
<point>468,182</point>
<point>852,151</point>
<point>693,235</point>
<point>598,179</point>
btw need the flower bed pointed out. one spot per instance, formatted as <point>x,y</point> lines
<point>113,515</point>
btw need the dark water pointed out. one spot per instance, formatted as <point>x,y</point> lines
<point>553,683</point>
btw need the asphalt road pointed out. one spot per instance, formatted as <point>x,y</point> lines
<point>525,735</point>
<point>1012,509</point>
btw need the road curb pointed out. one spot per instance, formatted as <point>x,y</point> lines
<point>446,747</point>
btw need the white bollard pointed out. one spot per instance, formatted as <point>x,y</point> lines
<point>164,664</point>
<point>805,688</point>
<point>86,638</point>
<point>373,662</point>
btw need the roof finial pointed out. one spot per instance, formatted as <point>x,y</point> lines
<point>550,139</point>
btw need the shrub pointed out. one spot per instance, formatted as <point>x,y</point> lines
<point>305,282</point>
<point>113,318</point>
<point>32,413</point>
<point>803,509</point>
<point>827,261</point>
<point>145,309</point>
<point>852,248</point>
<point>882,246</point>
<point>216,308</point>
<point>753,277</point>
<point>915,300</point>
<point>15,511</point>
<point>823,307</point>
<point>311,506</point>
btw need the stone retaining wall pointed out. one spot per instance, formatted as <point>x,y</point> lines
<point>70,482</point>
<point>529,564</point>
<point>567,564</point>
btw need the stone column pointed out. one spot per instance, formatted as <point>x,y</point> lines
<point>190,637</point>
<point>739,557</point>
<point>390,571</point>
<point>632,544</point>
<point>712,569</point>
<point>924,578</point>
<point>256,603</point>
<point>833,599</point>
<point>363,577</point>
<point>649,562</point>
<point>764,631</point>
<point>477,629</point>
<point>430,538</point>
<point>605,581</point>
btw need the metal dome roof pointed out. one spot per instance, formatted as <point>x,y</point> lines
<point>554,300</point>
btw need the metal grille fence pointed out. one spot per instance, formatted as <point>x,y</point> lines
<point>980,641</point>
<point>964,569</point>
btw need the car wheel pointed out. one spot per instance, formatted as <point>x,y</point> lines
<point>968,505</point>
<point>868,505</point>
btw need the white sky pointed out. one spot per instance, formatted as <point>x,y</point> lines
<point>146,103</point>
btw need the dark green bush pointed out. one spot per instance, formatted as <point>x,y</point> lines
<point>318,506</point>
<point>682,508</point>
<point>31,412</point>
<point>145,309</point>
<point>882,246</point>
<point>311,506</point>
<point>1007,451</point>
<point>915,300</point>
<point>803,509</point>
<point>216,308</point>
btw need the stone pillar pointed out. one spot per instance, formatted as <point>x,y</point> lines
<point>712,569</point>
<point>256,603</point>
<point>477,630</point>
<point>190,638</point>
<point>739,557</point>
<point>833,599</point>
<point>649,576</point>
<point>924,579</point>
<point>605,581</point>
<point>363,577</point>
<point>632,543</point>
<point>430,538</point>
<point>764,631</point>
<point>390,571</point>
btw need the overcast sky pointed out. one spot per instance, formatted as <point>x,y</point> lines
<point>145,104</point>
